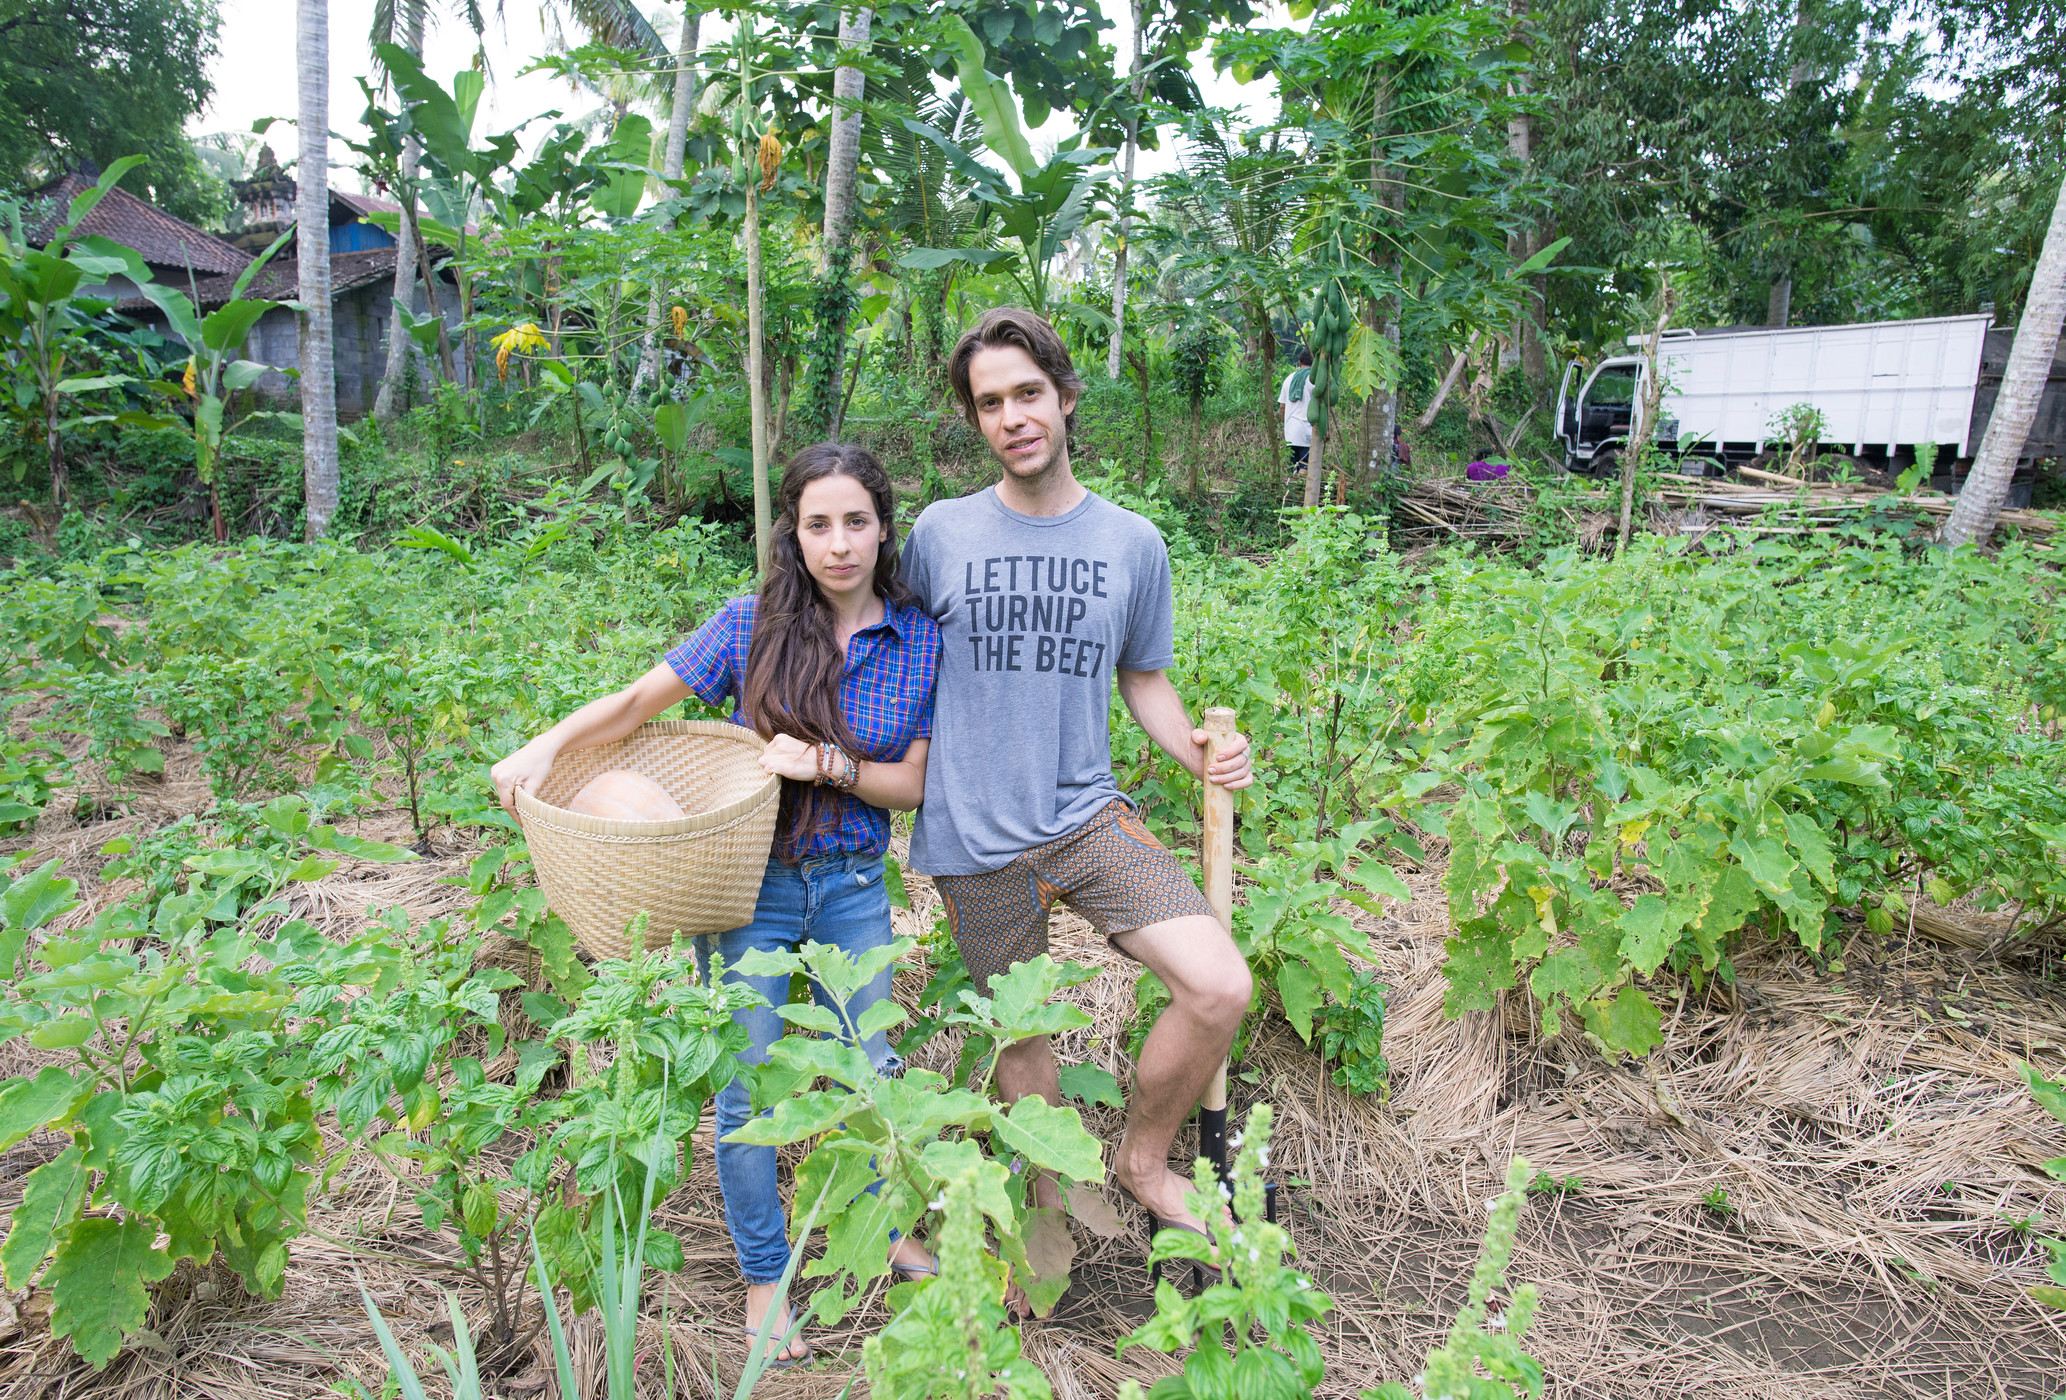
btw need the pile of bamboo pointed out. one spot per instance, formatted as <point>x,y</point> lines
<point>1787,506</point>
<point>1451,508</point>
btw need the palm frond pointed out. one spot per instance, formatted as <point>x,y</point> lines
<point>619,24</point>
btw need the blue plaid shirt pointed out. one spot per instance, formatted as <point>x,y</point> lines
<point>886,696</point>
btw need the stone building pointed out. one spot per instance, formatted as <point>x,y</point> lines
<point>206,266</point>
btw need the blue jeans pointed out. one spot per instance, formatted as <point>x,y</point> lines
<point>836,900</point>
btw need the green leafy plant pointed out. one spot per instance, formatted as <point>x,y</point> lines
<point>1352,1036</point>
<point>213,374</point>
<point>1258,1293</point>
<point>950,1338</point>
<point>1482,1357</point>
<point>1802,427</point>
<point>1565,782</point>
<point>1549,1184</point>
<point>918,1131</point>
<point>2051,1097</point>
<point>620,1134</point>
<point>188,1100</point>
<point>43,316</point>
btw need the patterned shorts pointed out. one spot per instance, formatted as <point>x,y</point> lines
<point>1111,870</point>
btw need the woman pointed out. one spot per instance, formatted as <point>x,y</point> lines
<point>834,663</point>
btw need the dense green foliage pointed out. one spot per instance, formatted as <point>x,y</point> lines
<point>1631,770</point>
<point>85,82</point>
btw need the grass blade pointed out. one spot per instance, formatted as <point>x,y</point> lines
<point>397,1364</point>
<point>563,1363</point>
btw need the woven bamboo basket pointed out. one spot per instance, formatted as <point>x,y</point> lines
<point>696,874</point>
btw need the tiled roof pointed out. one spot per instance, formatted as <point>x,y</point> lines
<point>157,237</point>
<point>363,204</point>
<point>279,280</point>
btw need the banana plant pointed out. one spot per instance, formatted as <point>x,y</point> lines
<point>42,313</point>
<point>213,371</point>
<point>442,121</point>
<point>1054,200</point>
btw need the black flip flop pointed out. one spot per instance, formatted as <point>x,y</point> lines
<point>1200,1270</point>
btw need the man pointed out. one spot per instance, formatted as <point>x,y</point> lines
<point>1295,394</point>
<point>1046,594</point>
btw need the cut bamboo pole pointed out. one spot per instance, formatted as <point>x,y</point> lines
<point>1218,857</point>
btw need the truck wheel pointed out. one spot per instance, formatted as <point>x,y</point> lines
<point>1606,462</point>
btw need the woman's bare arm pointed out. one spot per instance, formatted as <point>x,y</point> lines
<point>602,721</point>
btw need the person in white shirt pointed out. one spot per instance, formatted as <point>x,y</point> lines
<point>1295,394</point>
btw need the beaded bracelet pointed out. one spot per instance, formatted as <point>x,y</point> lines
<point>848,775</point>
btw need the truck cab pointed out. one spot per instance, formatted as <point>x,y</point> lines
<point>1598,418</point>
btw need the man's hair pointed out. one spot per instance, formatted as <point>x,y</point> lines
<point>1305,356</point>
<point>1014,325</point>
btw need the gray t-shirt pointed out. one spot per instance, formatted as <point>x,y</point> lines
<point>1034,613</point>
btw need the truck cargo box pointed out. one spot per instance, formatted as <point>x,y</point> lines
<point>1880,384</point>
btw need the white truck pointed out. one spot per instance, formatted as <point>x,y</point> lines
<point>1880,388</point>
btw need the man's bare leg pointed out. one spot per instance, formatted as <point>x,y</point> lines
<point>1028,1067</point>
<point>1209,988</point>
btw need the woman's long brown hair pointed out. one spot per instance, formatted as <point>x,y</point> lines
<point>794,666</point>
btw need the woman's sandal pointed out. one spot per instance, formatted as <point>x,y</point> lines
<point>912,1273</point>
<point>778,1346</point>
<point>1201,1272</point>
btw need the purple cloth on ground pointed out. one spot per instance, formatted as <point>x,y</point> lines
<point>1485,471</point>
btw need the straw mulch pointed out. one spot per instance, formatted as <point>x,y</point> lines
<point>1863,1139</point>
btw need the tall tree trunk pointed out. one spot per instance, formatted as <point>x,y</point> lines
<point>1375,441</point>
<point>312,257</point>
<point>1113,363</point>
<point>1381,408</point>
<point>756,382</point>
<point>842,176</point>
<point>1316,469</point>
<point>671,163</point>
<point>1526,242</point>
<point>2022,388</point>
<point>394,381</point>
<point>1266,360</point>
<point>434,303</point>
<point>843,154</point>
<point>1646,415</point>
<point>1779,298</point>
<point>1779,301</point>
<point>54,442</point>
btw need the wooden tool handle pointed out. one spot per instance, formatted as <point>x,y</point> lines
<point>1218,848</point>
<point>1218,856</point>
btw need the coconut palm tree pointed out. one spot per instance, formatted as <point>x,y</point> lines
<point>2022,386</point>
<point>403,22</point>
<point>312,243</point>
<point>672,162</point>
<point>408,27</point>
<point>842,176</point>
<point>1228,216</point>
